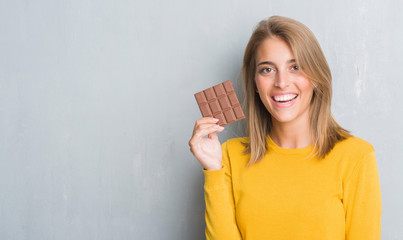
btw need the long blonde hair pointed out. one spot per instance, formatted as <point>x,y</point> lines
<point>312,62</point>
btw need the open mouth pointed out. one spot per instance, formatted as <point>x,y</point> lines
<point>286,98</point>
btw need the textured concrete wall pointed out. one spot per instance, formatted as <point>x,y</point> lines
<point>97,106</point>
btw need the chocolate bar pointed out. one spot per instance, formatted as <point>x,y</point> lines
<point>221,102</point>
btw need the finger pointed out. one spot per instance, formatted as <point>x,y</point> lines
<point>205,125</point>
<point>202,131</point>
<point>198,128</point>
<point>213,136</point>
<point>202,121</point>
<point>206,131</point>
<point>206,120</point>
<point>202,126</point>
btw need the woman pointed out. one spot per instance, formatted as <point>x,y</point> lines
<point>297,174</point>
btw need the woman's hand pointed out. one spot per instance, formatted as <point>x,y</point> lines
<point>207,149</point>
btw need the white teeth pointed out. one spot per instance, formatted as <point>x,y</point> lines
<point>284,98</point>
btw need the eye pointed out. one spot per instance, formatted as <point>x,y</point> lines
<point>295,68</point>
<point>266,70</point>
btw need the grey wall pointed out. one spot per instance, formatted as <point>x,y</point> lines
<point>97,106</point>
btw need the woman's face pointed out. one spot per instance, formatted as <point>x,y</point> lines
<point>284,90</point>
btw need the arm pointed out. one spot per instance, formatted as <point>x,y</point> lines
<point>362,201</point>
<point>220,209</point>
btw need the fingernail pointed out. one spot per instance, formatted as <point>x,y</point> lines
<point>216,119</point>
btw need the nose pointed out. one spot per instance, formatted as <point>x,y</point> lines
<point>281,80</point>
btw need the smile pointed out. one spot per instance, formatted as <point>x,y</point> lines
<point>284,100</point>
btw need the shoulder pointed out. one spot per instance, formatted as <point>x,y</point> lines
<point>353,146</point>
<point>355,157</point>
<point>235,144</point>
<point>352,152</point>
<point>234,150</point>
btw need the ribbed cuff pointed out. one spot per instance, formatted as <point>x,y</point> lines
<point>215,177</point>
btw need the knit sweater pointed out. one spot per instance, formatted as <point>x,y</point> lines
<point>292,195</point>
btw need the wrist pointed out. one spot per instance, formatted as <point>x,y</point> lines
<point>213,168</point>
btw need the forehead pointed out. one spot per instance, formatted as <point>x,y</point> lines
<point>274,49</point>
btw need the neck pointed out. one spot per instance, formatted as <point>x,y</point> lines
<point>291,135</point>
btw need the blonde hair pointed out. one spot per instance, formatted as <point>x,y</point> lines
<point>326,131</point>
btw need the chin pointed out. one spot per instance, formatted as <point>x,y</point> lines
<point>283,118</point>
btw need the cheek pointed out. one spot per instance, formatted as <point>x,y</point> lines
<point>261,83</point>
<point>257,81</point>
<point>308,93</point>
<point>305,85</point>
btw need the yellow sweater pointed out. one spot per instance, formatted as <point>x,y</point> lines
<point>290,195</point>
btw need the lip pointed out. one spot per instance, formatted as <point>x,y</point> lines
<point>286,104</point>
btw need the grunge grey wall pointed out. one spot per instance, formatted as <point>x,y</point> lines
<point>97,106</point>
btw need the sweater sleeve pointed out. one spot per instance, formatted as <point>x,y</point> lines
<point>219,198</point>
<point>362,201</point>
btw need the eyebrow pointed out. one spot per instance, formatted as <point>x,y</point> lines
<point>272,63</point>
